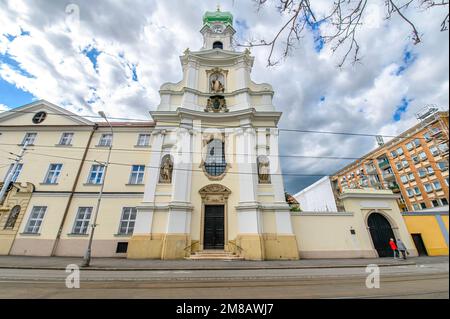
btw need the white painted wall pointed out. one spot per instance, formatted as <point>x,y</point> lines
<point>318,197</point>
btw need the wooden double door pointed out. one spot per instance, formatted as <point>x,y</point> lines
<point>214,229</point>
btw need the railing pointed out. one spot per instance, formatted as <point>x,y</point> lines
<point>239,248</point>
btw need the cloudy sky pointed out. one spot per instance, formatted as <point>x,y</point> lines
<point>118,53</point>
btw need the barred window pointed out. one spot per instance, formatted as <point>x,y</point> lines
<point>215,163</point>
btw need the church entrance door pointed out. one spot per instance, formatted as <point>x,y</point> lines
<point>214,227</point>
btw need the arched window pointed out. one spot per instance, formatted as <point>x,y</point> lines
<point>215,163</point>
<point>11,221</point>
<point>263,169</point>
<point>218,45</point>
<point>165,171</point>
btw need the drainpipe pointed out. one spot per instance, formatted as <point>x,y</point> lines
<point>75,183</point>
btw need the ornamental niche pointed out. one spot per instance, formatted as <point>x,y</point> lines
<point>165,172</point>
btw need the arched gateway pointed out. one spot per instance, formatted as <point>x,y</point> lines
<point>381,232</point>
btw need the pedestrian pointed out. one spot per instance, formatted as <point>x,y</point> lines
<point>394,248</point>
<point>402,248</point>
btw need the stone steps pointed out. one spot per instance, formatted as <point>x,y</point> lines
<point>214,255</point>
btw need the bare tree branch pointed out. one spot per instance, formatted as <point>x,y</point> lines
<point>344,19</point>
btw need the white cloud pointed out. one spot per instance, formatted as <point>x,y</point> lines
<point>151,35</point>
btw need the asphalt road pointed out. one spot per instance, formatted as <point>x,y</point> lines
<point>418,281</point>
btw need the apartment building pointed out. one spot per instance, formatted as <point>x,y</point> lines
<point>413,165</point>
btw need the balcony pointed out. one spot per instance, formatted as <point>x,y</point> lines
<point>394,188</point>
<point>384,164</point>
<point>370,169</point>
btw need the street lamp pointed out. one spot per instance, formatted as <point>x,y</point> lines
<point>87,255</point>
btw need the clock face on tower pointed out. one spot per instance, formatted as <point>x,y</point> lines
<point>218,28</point>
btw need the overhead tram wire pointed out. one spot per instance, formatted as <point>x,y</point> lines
<point>190,170</point>
<point>232,126</point>
<point>99,149</point>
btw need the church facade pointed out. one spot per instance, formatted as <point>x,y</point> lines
<point>214,176</point>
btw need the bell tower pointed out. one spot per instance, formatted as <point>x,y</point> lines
<point>217,30</point>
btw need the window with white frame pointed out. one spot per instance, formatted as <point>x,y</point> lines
<point>127,221</point>
<point>443,147</point>
<point>66,139</point>
<point>423,205</point>
<point>404,179</point>
<point>437,185</point>
<point>394,154</point>
<point>411,177</point>
<point>35,219</point>
<point>54,170</point>
<point>415,159</point>
<point>105,140</point>
<point>410,192</point>
<point>137,174</point>
<point>434,151</point>
<point>430,170</point>
<point>422,172</point>
<point>428,187</point>
<point>442,165</point>
<point>29,139</point>
<point>16,172</point>
<point>143,140</point>
<point>399,166</point>
<point>409,146</point>
<point>444,201</point>
<point>399,151</point>
<point>416,207</point>
<point>96,174</point>
<point>82,219</point>
<point>416,142</point>
<point>417,190</point>
<point>405,163</point>
<point>446,180</point>
<point>427,137</point>
<point>423,156</point>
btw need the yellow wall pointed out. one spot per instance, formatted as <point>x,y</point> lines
<point>430,231</point>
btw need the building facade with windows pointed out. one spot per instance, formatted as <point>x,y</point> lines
<point>64,166</point>
<point>413,165</point>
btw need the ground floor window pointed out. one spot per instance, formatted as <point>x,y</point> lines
<point>35,220</point>
<point>127,221</point>
<point>81,224</point>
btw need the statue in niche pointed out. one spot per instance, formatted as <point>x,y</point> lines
<point>12,218</point>
<point>217,83</point>
<point>263,170</point>
<point>165,174</point>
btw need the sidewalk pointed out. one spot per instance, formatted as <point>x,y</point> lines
<point>25,262</point>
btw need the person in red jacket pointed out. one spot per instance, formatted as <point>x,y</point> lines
<point>394,248</point>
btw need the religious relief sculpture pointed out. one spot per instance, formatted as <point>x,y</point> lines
<point>216,103</point>
<point>217,83</point>
<point>165,172</point>
<point>12,218</point>
<point>263,170</point>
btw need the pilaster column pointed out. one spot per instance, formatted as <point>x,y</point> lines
<point>178,230</point>
<point>189,99</point>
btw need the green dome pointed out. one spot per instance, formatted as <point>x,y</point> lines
<point>218,16</point>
